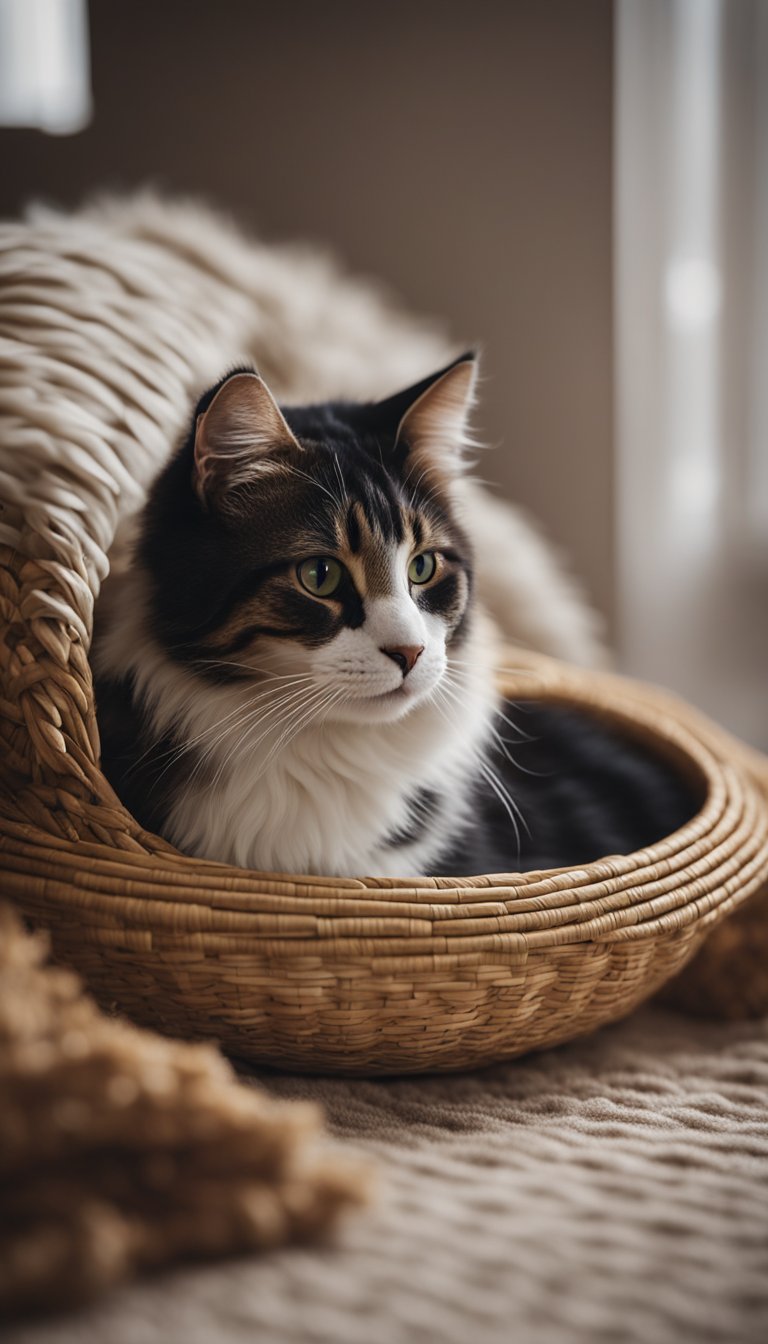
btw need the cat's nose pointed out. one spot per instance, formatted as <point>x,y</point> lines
<point>405,655</point>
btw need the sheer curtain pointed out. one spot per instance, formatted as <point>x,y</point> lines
<point>691,177</point>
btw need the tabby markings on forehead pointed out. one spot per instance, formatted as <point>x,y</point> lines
<point>370,530</point>
<point>354,534</point>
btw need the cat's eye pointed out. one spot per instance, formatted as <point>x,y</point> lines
<point>422,567</point>
<point>321,575</point>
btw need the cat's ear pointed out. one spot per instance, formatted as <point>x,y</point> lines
<point>433,429</point>
<point>234,436</point>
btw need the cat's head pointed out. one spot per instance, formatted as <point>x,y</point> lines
<point>317,548</point>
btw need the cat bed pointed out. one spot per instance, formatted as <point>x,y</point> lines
<point>110,331</point>
<point>367,975</point>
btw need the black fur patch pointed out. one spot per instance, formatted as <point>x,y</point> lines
<point>423,807</point>
<point>146,771</point>
<point>353,530</point>
<point>584,790</point>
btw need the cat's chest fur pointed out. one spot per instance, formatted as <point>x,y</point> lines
<point>338,800</point>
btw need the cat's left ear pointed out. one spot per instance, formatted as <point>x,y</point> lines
<point>235,435</point>
<point>433,430</point>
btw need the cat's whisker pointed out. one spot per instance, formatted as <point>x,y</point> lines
<point>428,494</point>
<point>244,712</point>
<point>522,736</point>
<point>510,671</point>
<point>179,749</point>
<point>325,701</point>
<point>318,702</point>
<point>247,714</point>
<point>304,475</point>
<point>508,803</point>
<point>235,734</point>
<point>298,717</point>
<point>342,482</point>
<point>465,667</point>
<point>511,807</point>
<point>292,720</point>
<point>282,705</point>
<point>276,718</point>
<point>259,673</point>
<point>251,723</point>
<point>502,743</point>
<point>468,669</point>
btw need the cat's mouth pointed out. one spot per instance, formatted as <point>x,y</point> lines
<point>405,696</point>
<point>410,691</point>
<point>397,693</point>
<point>381,706</point>
<point>405,691</point>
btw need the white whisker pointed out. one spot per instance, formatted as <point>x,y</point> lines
<point>512,809</point>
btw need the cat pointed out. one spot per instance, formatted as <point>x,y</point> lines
<point>296,675</point>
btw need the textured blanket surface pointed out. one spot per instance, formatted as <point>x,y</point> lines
<point>121,1150</point>
<point>614,1190</point>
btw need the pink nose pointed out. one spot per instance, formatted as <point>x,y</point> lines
<point>405,655</point>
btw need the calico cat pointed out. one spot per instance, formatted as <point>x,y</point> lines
<point>296,675</point>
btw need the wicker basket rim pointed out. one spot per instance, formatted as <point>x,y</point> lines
<point>707,864</point>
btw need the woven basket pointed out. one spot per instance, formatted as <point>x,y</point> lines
<point>110,323</point>
<point>335,974</point>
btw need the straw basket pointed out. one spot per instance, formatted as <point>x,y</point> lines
<point>328,974</point>
<point>111,321</point>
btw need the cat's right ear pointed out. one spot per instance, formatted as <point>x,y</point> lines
<point>234,436</point>
<point>429,421</point>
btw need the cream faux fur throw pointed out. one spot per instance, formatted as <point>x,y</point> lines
<point>120,1150</point>
<point>115,318</point>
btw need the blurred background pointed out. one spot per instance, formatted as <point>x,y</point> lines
<point>582,189</point>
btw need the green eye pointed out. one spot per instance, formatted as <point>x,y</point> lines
<point>422,567</point>
<point>320,576</point>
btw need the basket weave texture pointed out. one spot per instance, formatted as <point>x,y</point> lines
<point>366,975</point>
<point>307,972</point>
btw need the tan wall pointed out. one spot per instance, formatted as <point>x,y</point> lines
<point>462,151</point>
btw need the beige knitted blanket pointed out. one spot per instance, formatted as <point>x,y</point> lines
<point>614,1191</point>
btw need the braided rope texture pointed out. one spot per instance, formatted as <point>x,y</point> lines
<point>349,975</point>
